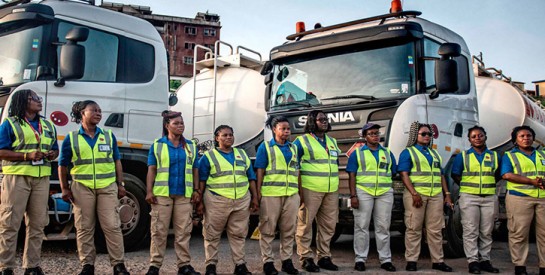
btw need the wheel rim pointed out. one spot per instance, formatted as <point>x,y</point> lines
<point>129,213</point>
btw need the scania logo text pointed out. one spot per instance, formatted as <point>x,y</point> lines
<point>334,118</point>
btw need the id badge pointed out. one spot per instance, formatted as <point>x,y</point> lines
<point>383,165</point>
<point>487,163</point>
<point>189,160</point>
<point>334,153</point>
<point>543,162</point>
<point>38,162</point>
<point>436,165</point>
<point>104,148</point>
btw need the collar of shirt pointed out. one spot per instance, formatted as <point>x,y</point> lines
<point>164,139</point>
<point>365,147</point>
<point>516,149</point>
<point>97,130</point>
<point>473,151</point>
<point>422,148</point>
<point>273,143</point>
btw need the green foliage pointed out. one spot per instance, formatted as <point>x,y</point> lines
<point>175,84</point>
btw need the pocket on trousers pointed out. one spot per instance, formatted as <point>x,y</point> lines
<point>78,218</point>
<point>409,221</point>
<point>510,222</point>
<point>265,226</point>
<point>6,216</point>
<point>303,215</point>
<point>117,218</point>
<point>155,225</point>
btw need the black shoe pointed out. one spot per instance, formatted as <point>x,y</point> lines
<point>542,271</point>
<point>309,265</point>
<point>34,271</point>
<point>211,269</point>
<point>520,270</point>
<point>442,267</point>
<point>411,266</point>
<point>487,266</point>
<point>268,269</point>
<point>187,270</point>
<point>6,271</point>
<point>359,266</point>
<point>473,268</point>
<point>120,269</point>
<point>326,263</point>
<point>241,269</point>
<point>87,270</point>
<point>287,266</point>
<point>388,267</point>
<point>153,270</point>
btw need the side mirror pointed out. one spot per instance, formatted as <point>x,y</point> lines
<point>72,55</point>
<point>446,69</point>
<point>172,99</point>
<point>267,101</point>
<point>267,68</point>
<point>268,79</point>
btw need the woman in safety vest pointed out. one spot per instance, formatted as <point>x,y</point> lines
<point>277,186</point>
<point>28,143</point>
<point>474,170</point>
<point>97,184</point>
<point>524,168</point>
<point>425,192</point>
<point>172,174</point>
<point>370,169</point>
<point>225,175</point>
<point>318,189</point>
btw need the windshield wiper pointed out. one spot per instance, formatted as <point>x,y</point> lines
<point>295,103</point>
<point>367,97</point>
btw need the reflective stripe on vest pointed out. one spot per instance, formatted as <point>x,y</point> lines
<point>281,178</point>
<point>425,179</point>
<point>478,178</point>
<point>225,179</point>
<point>372,177</point>
<point>319,170</point>
<point>93,167</point>
<point>160,150</point>
<point>523,166</point>
<point>26,142</point>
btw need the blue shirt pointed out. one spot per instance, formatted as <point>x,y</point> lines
<point>405,163</point>
<point>7,136</point>
<point>352,166</point>
<point>458,164</point>
<point>176,169</point>
<point>262,159</point>
<point>204,166</point>
<point>66,149</point>
<point>507,167</point>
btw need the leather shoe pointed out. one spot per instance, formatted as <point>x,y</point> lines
<point>6,271</point>
<point>211,269</point>
<point>473,268</point>
<point>359,266</point>
<point>411,266</point>
<point>310,266</point>
<point>87,270</point>
<point>120,269</point>
<point>326,263</point>
<point>542,271</point>
<point>268,269</point>
<point>153,270</point>
<point>487,266</point>
<point>287,266</point>
<point>520,270</point>
<point>187,270</point>
<point>34,271</point>
<point>241,269</point>
<point>388,267</point>
<point>442,267</point>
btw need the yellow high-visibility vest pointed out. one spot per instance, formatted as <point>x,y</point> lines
<point>280,177</point>
<point>226,179</point>
<point>523,166</point>
<point>372,176</point>
<point>319,170</point>
<point>160,150</point>
<point>426,179</point>
<point>478,178</point>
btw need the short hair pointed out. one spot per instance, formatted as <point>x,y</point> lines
<point>517,129</point>
<point>217,132</point>
<point>310,126</point>
<point>476,127</point>
<point>78,107</point>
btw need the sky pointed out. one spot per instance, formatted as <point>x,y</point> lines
<point>509,33</point>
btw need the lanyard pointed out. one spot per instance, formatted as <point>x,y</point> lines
<point>36,133</point>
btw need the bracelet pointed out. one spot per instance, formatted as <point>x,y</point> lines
<point>24,155</point>
<point>447,193</point>
<point>414,194</point>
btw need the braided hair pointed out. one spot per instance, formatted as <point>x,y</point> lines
<point>413,133</point>
<point>78,107</point>
<point>217,133</point>
<point>272,121</point>
<point>167,117</point>
<point>19,104</point>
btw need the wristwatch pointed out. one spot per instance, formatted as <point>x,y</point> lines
<point>121,183</point>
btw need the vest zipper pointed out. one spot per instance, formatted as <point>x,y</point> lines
<point>234,175</point>
<point>376,178</point>
<point>481,178</point>
<point>94,168</point>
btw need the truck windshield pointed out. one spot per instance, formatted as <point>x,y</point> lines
<point>19,55</point>
<point>344,78</point>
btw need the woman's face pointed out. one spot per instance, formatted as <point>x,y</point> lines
<point>34,103</point>
<point>322,123</point>
<point>225,138</point>
<point>91,114</point>
<point>282,130</point>
<point>424,136</point>
<point>477,138</point>
<point>525,139</point>
<point>176,126</point>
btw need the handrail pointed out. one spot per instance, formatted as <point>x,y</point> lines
<point>195,51</point>
<point>250,50</point>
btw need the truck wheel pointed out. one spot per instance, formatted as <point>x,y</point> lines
<point>454,248</point>
<point>134,214</point>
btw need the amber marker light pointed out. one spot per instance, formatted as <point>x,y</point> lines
<point>299,27</point>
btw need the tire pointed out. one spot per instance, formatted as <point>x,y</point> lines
<point>454,248</point>
<point>134,214</point>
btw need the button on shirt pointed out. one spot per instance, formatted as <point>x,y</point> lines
<point>176,169</point>
<point>352,166</point>
<point>7,136</point>
<point>204,166</point>
<point>405,162</point>
<point>507,167</point>
<point>458,164</point>
<point>66,149</point>
<point>262,159</point>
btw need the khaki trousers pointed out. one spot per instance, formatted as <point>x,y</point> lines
<point>23,195</point>
<point>179,210</point>
<point>520,212</point>
<point>325,208</point>
<point>88,205</point>
<point>281,211</point>
<point>221,213</point>
<point>477,223</point>
<point>430,214</point>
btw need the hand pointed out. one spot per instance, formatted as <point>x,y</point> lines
<point>195,197</point>
<point>150,198</point>
<point>51,155</point>
<point>254,205</point>
<point>417,200</point>
<point>354,203</point>
<point>448,202</point>
<point>538,182</point>
<point>121,192</point>
<point>301,200</point>
<point>200,208</point>
<point>67,195</point>
<point>35,156</point>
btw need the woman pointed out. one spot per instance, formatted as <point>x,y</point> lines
<point>276,164</point>
<point>524,168</point>
<point>425,193</point>
<point>28,144</point>
<point>225,173</point>
<point>172,174</point>
<point>318,189</point>
<point>97,184</point>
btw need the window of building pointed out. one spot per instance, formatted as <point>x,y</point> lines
<point>189,45</point>
<point>209,32</point>
<point>188,60</point>
<point>191,30</point>
<point>210,46</point>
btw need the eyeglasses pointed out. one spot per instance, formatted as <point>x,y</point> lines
<point>322,120</point>
<point>429,134</point>
<point>373,134</point>
<point>35,98</point>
